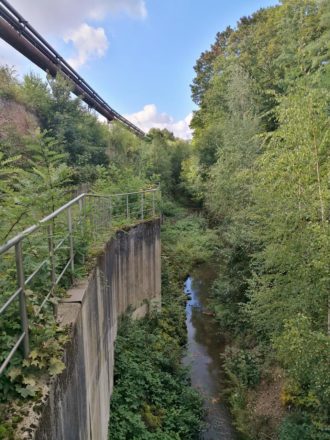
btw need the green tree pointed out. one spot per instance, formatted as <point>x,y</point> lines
<point>290,213</point>
<point>304,353</point>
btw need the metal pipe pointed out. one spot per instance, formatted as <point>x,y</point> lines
<point>51,257</point>
<point>123,194</point>
<point>62,208</point>
<point>17,32</point>
<point>10,300</point>
<point>82,219</point>
<point>22,301</point>
<point>12,352</point>
<point>10,243</point>
<point>71,239</point>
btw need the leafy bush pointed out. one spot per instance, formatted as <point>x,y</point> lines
<point>298,426</point>
<point>305,354</point>
<point>189,241</point>
<point>152,398</point>
<point>243,366</point>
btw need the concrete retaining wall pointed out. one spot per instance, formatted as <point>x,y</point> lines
<point>126,274</point>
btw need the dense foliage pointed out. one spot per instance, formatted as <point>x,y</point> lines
<point>261,166</point>
<point>51,145</point>
<point>152,398</point>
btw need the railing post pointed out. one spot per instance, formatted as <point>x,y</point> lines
<point>80,210</point>
<point>127,208</point>
<point>82,222</point>
<point>142,205</point>
<point>93,217</point>
<point>100,212</point>
<point>153,203</point>
<point>104,214</point>
<point>52,257</point>
<point>81,214</point>
<point>22,299</point>
<point>70,238</point>
<point>110,211</point>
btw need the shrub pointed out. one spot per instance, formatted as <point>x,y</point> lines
<point>243,366</point>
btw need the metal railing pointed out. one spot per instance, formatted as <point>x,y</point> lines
<point>46,254</point>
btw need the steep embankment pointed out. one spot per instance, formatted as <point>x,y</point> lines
<point>14,117</point>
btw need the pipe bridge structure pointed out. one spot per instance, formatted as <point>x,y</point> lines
<point>17,32</point>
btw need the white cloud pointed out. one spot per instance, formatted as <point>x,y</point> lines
<point>88,42</point>
<point>149,118</point>
<point>134,8</point>
<point>59,16</point>
<point>64,18</point>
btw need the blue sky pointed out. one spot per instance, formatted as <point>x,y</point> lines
<point>138,54</point>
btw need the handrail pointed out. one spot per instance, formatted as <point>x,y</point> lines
<point>101,217</point>
<point>123,194</point>
<point>62,208</point>
<point>10,243</point>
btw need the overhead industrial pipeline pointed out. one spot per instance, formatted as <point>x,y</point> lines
<point>17,32</point>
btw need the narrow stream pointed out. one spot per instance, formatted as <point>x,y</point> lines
<point>205,346</point>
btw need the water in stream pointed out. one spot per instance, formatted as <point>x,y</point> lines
<point>205,346</point>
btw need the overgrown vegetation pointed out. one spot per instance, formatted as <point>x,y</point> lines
<point>50,146</point>
<point>152,398</point>
<point>261,168</point>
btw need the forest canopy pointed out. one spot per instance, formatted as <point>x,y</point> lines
<point>261,168</point>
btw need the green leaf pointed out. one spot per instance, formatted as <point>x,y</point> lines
<point>56,366</point>
<point>13,373</point>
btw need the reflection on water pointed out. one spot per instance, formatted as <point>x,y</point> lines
<point>205,346</point>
